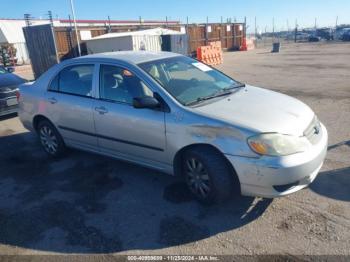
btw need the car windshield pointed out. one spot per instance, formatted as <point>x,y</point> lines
<point>189,80</point>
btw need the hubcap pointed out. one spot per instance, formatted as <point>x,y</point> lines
<point>48,140</point>
<point>197,177</point>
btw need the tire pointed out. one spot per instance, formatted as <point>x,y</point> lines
<point>205,169</point>
<point>50,139</point>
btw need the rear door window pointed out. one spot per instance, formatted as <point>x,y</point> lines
<point>75,80</point>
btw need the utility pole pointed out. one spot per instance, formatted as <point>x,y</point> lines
<point>109,25</point>
<point>245,29</point>
<point>315,23</point>
<point>296,31</point>
<point>75,26</point>
<point>49,13</point>
<point>256,31</point>
<point>206,31</point>
<point>336,23</point>
<point>27,18</point>
<point>273,29</point>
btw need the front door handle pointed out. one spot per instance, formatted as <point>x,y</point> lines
<point>102,110</point>
<point>52,100</point>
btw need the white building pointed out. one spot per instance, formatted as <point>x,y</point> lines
<point>11,32</point>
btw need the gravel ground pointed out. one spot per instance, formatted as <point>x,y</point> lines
<point>87,204</point>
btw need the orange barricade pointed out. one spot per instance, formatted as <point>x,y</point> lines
<point>210,54</point>
<point>244,45</point>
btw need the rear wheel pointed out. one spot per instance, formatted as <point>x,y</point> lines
<point>208,175</point>
<point>50,139</point>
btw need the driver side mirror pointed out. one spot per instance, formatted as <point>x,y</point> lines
<point>146,102</point>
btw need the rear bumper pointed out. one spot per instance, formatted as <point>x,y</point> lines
<point>279,176</point>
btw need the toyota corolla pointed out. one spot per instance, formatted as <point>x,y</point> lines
<point>177,115</point>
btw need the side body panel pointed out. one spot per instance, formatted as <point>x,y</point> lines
<point>73,116</point>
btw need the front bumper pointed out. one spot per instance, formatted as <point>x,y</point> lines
<point>279,176</point>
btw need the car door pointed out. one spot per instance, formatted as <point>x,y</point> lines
<point>122,130</point>
<point>70,105</point>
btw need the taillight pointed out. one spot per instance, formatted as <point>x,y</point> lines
<point>18,95</point>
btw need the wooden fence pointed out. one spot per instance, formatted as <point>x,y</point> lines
<point>230,35</point>
<point>48,45</point>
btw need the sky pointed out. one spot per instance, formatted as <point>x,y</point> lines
<point>283,12</point>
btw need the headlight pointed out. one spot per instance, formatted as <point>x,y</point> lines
<point>274,144</point>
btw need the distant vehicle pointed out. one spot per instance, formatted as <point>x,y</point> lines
<point>177,115</point>
<point>313,38</point>
<point>9,84</point>
<point>346,36</point>
<point>325,33</point>
<point>342,34</point>
<point>302,36</point>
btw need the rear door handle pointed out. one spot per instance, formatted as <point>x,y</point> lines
<point>102,110</point>
<point>52,100</point>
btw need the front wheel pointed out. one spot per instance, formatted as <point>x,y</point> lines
<point>50,139</point>
<point>208,175</point>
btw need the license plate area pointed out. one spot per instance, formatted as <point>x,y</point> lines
<point>11,101</point>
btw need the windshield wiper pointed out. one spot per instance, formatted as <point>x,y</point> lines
<point>216,94</point>
<point>222,92</point>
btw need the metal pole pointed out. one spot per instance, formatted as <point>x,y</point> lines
<point>288,31</point>
<point>336,22</point>
<point>315,23</point>
<point>53,35</point>
<point>256,33</point>
<point>221,30</point>
<point>244,30</point>
<point>109,25</point>
<point>206,31</point>
<point>75,26</point>
<point>296,31</point>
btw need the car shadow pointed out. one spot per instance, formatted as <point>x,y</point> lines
<point>333,184</point>
<point>85,203</point>
<point>6,117</point>
<point>347,143</point>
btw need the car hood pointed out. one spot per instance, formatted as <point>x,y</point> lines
<point>260,110</point>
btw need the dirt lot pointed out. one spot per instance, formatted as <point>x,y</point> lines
<point>90,204</point>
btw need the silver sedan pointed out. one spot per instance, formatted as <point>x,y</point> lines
<point>182,117</point>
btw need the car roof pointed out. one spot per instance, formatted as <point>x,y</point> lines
<point>135,57</point>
